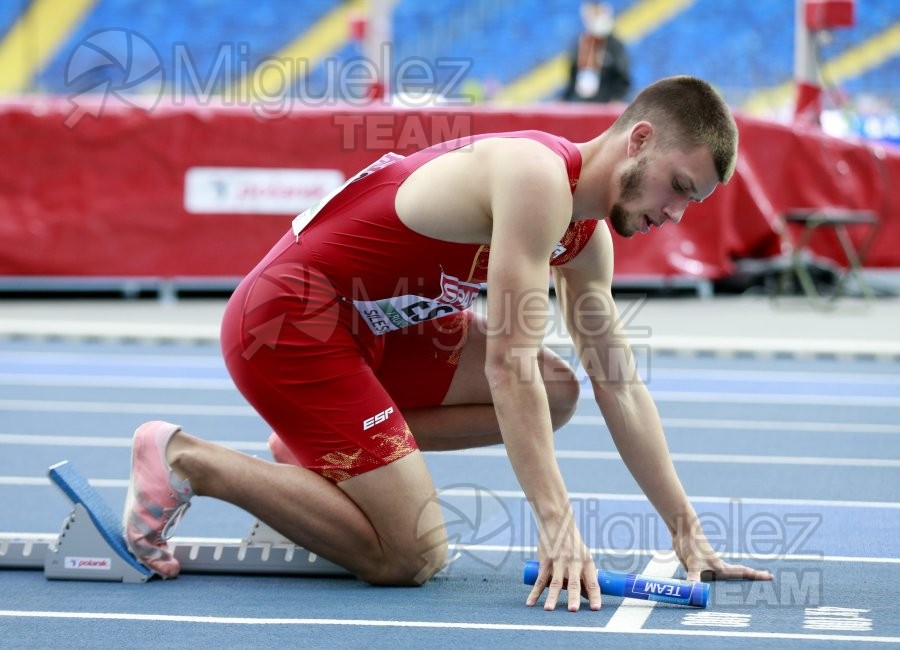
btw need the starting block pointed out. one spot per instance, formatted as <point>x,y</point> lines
<point>91,546</point>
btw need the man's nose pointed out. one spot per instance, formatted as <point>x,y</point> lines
<point>674,213</point>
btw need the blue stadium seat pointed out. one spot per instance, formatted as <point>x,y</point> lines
<point>240,32</point>
<point>741,47</point>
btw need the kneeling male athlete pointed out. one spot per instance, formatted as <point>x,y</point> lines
<point>354,340</point>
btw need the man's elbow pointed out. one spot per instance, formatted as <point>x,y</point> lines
<point>508,371</point>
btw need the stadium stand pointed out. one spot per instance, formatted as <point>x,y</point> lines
<point>743,48</point>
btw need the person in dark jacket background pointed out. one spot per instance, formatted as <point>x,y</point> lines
<point>600,69</point>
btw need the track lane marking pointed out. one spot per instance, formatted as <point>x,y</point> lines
<point>633,613</point>
<point>495,627</point>
<point>42,481</point>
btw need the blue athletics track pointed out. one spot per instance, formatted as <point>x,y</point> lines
<point>793,463</point>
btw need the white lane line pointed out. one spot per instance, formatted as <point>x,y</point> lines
<point>110,359</point>
<point>115,381</point>
<point>109,442</point>
<point>489,452</point>
<point>609,496</point>
<point>633,613</point>
<point>130,381</point>
<point>716,619</point>
<point>94,359</point>
<point>153,383</point>
<point>125,407</point>
<point>523,551</point>
<point>63,441</point>
<point>40,481</point>
<point>529,551</point>
<point>729,345</point>
<point>768,376</point>
<point>73,329</point>
<point>213,409</point>
<point>99,359</point>
<point>586,420</point>
<point>765,398</point>
<point>716,459</point>
<point>754,425</point>
<point>459,625</point>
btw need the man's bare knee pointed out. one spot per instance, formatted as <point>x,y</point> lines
<point>411,571</point>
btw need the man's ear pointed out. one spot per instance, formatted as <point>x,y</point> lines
<point>639,137</point>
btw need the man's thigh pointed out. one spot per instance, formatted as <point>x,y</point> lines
<point>444,366</point>
<point>419,363</point>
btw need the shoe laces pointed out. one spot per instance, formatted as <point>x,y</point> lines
<point>174,516</point>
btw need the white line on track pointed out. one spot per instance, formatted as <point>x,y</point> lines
<point>716,459</point>
<point>125,407</point>
<point>229,410</point>
<point>115,381</point>
<point>58,406</point>
<point>675,373</point>
<point>766,398</point>
<point>95,360</point>
<point>40,481</point>
<point>632,614</point>
<point>855,428</point>
<point>755,425</point>
<point>768,376</point>
<point>523,551</point>
<point>611,496</point>
<point>104,441</point>
<point>756,557</point>
<point>489,452</point>
<point>492,627</point>
<point>109,359</point>
<point>730,345</point>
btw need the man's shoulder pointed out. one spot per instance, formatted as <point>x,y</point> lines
<point>533,166</point>
<point>523,135</point>
<point>535,152</point>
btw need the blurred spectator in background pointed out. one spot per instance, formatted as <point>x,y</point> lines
<point>600,68</point>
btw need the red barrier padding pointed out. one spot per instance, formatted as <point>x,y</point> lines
<point>107,198</point>
<point>828,14</point>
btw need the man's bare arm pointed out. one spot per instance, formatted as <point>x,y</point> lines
<point>530,207</point>
<point>583,288</point>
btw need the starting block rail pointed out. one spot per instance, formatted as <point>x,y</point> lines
<point>91,546</point>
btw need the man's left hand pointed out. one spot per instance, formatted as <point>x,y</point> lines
<point>701,561</point>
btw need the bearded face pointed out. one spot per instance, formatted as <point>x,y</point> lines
<point>631,187</point>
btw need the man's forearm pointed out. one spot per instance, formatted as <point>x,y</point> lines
<point>524,418</point>
<point>634,423</point>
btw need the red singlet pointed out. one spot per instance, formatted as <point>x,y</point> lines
<point>353,317</point>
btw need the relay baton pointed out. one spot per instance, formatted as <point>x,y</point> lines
<point>630,585</point>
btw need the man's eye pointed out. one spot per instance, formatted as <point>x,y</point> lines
<point>677,186</point>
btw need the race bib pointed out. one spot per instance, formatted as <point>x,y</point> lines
<point>391,314</point>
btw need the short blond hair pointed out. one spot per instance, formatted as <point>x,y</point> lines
<point>689,113</point>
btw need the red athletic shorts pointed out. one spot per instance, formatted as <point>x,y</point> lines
<point>331,389</point>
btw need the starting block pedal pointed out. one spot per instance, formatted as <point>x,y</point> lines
<point>91,545</point>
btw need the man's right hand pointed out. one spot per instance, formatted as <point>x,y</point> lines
<point>567,563</point>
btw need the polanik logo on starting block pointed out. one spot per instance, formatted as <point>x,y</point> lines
<point>89,563</point>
